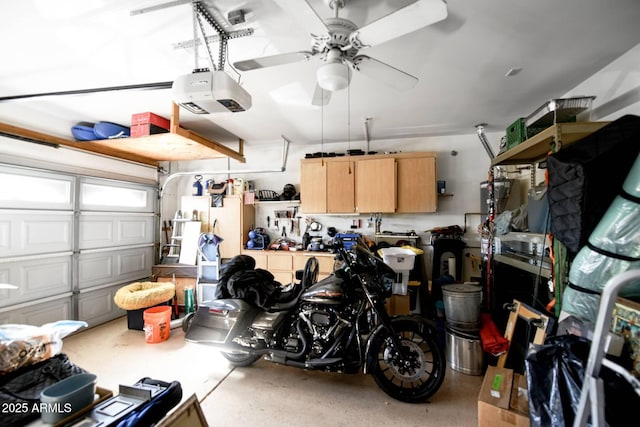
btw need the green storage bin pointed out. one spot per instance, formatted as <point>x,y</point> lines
<point>516,133</point>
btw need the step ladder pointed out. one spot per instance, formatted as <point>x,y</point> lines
<point>177,231</point>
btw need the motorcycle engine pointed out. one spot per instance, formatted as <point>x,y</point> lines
<point>323,324</point>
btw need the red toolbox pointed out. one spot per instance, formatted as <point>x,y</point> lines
<point>144,124</point>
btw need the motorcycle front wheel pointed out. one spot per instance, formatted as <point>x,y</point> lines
<point>240,359</point>
<point>414,374</point>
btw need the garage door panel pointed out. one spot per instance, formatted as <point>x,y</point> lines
<point>24,188</point>
<point>36,278</point>
<point>102,231</point>
<point>97,306</point>
<point>35,232</point>
<point>114,266</point>
<point>105,195</point>
<point>39,313</point>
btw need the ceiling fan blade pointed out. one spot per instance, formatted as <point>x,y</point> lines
<point>141,86</point>
<point>387,74</point>
<point>403,21</point>
<point>272,61</point>
<point>303,13</point>
<point>320,96</point>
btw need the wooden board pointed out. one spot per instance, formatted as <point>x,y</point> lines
<point>178,144</point>
<point>538,146</point>
<point>184,145</point>
<point>189,244</point>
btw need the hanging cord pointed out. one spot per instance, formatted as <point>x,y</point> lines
<point>348,113</point>
<point>322,128</point>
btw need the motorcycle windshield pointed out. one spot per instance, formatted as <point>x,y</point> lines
<point>381,276</point>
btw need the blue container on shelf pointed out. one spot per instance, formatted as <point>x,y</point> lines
<point>108,130</point>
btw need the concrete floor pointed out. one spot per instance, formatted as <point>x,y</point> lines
<point>263,394</point>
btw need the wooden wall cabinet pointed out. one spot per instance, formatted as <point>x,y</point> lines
<point>402,183</point>
<point>313,185</point>
<point>340,184</point>
<point>376,185</point>
<point>232,222</point>
<point>416,184</point>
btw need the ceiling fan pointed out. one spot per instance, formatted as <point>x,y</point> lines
<point>337,42</point>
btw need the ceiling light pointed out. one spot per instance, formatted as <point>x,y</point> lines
<point>334,74</point>
<point>512,72</point>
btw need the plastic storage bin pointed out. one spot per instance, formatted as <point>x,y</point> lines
<point>398,258</point>
<point>401,261</point>
<point>67,397</point>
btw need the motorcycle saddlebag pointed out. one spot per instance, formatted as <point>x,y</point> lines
<point>220,321</point>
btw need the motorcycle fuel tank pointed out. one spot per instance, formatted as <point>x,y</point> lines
<point>326,291</point>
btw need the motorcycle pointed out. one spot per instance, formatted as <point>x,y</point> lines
<point>337,324</point>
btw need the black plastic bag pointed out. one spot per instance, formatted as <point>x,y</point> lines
<point>555,375</point>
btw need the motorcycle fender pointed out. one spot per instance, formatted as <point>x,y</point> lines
<point>220,321</point>
<point>380,333</point>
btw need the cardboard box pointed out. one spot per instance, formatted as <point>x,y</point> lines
<point>144,124</point>
<point>181,284</point>
<point>503,399</point>
<point>398,305</point>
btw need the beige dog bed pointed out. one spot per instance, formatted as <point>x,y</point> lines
<point>144,294</point>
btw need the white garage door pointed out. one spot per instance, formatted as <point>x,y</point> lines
<point>68,242</point>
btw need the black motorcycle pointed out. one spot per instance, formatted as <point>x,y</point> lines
<point>338,324</point>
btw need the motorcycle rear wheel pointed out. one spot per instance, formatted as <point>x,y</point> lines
<point>412,379</point>
<point>240,359</point>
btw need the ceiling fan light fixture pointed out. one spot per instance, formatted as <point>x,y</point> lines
<point>333,76</point>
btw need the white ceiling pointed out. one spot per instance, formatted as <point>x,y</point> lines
<point>461,63</point>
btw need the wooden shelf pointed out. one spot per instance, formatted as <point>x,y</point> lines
<point>178,144</point>
<point>536,148</point>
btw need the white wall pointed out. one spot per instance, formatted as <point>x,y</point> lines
<point>462,172</point>
<point>616,86</point>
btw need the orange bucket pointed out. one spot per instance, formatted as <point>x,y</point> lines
<point>157,324</point>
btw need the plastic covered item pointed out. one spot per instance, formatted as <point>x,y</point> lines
<point>555,372</point>
<point>22,345</point>
<point>612,249</point>
<point>555,375</point>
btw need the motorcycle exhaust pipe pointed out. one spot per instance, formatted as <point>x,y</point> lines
<point>287,357</point>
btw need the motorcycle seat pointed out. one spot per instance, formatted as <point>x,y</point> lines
<point>289,295</point>
<point>287,298</point>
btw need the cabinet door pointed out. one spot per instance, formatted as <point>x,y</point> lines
<point>417,185</point>
<point>201,204</point>
<point>376,185</point>
<point>226,223</point>
<point>341,187</point>
<point>313,186</point>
